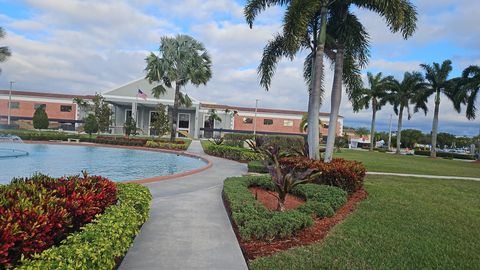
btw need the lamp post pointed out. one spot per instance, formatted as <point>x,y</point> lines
<point>9,102</point>
<point>255,118</point>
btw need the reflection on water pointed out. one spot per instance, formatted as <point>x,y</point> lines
<point>115,163</point>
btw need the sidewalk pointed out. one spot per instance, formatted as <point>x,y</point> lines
<point>188,226</point>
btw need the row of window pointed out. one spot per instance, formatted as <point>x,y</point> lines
<point>63,108</point>
<point>268,122</point>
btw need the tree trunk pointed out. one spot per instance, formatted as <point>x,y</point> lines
<point>281,202</point>
<point>372,129</point>
<point>173,129</point>
<point>315,92</point>
<point>335,103</point>
<point>399,129</point>
<point>433,150</point>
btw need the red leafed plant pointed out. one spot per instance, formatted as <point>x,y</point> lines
<point>39,212</point>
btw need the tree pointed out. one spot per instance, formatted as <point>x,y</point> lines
<point>91,124</point>
<point>161,121</point>
<point>361,132</point>
<point>446,139</point>
<point>375,96</point>
<point>40,118</point>
<point>469,90</point>
<point>410,137</point>
<point>212,117</point>
<point>102,112</point>
<point>437,76</point>
<point>410,91</point>
<point>130,126</point>
<point>181,60</point>
<point>4,51</point>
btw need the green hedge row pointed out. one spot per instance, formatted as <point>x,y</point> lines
<point>166,145</point>
<point>230,152</point>
<point>255,221</point>
<point>100,243</point>
<point>284,141</point>
<point>445,155</point>
<point>31,135</point>
<point>257,166</point>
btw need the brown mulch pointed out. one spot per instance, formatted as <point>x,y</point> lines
<point>269,199</point>
<point>257,248</point>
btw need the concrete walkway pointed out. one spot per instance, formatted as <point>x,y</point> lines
<point>426,176</point>
<point>188,226</point>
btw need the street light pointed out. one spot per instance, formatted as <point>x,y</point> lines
<point>9,102</point>
<point>255,118</point>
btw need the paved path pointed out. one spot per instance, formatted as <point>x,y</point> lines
<point>188,226</point>
<point>426,176</point>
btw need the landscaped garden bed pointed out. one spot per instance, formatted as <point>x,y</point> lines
<point>50,223</point>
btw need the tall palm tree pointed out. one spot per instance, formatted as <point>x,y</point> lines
<point>469,90</point>
<point>410,91</point>
<point>400,16</point>
<point>181,60</point>
<point>438,83</point>
<point>376,96</point>
<point>4,51</point>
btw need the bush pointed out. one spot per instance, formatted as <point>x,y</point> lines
<point>346,174</point>
<point>40,118</point>
<point>91,124</point>
<point>285,142</point>
<point>332,196</point>
<point>37,213</point>
<point>257,166</point>
<point>238,136</point>
<point>446,155</point>
<point>229,152</point>
<point>100,243</point>
<point>167,145</point>
<point>255,221</point>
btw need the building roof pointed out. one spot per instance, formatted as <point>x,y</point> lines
<point>260,110</point>
<point>40,94</point>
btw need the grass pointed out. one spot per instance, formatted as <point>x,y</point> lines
<point>405,223</point>
<point>385,162</point>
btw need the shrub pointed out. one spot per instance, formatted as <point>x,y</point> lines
<point>332,196</point>
<point>91,124</point>
<point>167,145</point>
<point>446,155</point>
<point>285,142</point>
<point>238,136</point>
<point>229,152</point>
<point>130,126</point>
<point>100,243</point>
<point>37,213</point>
<point>255,221</point>
<point>346,174</point>
<point>257,166</point>
<point>40,118</point>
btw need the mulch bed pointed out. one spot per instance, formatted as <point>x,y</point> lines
<point>269,199</point>
<point>257,248</point>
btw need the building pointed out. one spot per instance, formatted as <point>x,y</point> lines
<point>192,121</point>
<point>62,112</point>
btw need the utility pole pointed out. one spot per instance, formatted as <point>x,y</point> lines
<point>255,118</point>
<point>9,102</point>
<point>390,134</point>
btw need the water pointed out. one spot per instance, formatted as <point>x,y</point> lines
<point>116,164</point>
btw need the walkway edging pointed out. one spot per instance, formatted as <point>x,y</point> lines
<point>426,176</point>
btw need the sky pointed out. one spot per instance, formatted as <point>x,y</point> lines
<point>84,47</point>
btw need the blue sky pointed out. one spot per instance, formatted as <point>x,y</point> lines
<point>88,46</point>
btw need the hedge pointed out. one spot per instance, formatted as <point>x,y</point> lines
<point>445,155</point>
<point>38,212</point>
<point>167,145</point>
<point>230,152</point>
<point>100,243</point>
<point>257,166</point>
<point>348,175</point>
<point>284,141</point>
<point>254,221</point>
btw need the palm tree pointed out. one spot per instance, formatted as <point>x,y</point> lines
<point>469,90</point>
<point>410,91</point>
<point>181,60</point>
<point>304,123</point>
<point>212,117</point>
<point>375,96</point>
<point>438,83</point>
<point>4,51</point>
<point>362,132</point>
<point>400,16</point>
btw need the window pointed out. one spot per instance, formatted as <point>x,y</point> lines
<point>247,120</point>
<point>14,105</point>
<point>268,122</point>
<point>183,121</point>
<point>65,108</point>
<point>36,106</point>
<point>288,123</point>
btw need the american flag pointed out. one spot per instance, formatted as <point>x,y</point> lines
<point>141,94</point>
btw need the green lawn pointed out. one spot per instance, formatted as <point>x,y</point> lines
<point>405,223</point>
<point>385,162</point>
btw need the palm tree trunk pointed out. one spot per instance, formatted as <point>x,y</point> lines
<point>372,129</point>
<point>399,130</point>
<point>173,129</point>
<point>315,91</point>
<point>335,103</point>
<point>433,150</point>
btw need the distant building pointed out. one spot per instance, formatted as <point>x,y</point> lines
<point>125,102</point>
